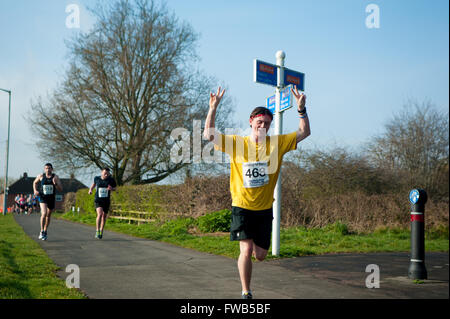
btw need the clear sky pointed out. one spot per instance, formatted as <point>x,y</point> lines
<point>356,77</point>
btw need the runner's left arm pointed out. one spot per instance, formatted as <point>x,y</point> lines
<point>303,128</point>
<point>57,183</point>
<point>112,186</point>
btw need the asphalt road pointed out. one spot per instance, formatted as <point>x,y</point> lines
<point>122,267</point>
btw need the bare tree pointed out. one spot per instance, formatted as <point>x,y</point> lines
<point>335,171</point>
<point>415,144</point>
<point>132,79</point>
<point>11,180</point>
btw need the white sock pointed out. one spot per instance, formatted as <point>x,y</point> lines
<point>243,292</point>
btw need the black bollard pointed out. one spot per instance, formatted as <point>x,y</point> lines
<point>417,270</point>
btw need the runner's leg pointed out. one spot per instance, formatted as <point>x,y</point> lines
<point>43,215</point>
<point>47,218</point>
<point>103,221</point>
<point>245,263</point>
<point>259,253</point>
<point>98,221</point>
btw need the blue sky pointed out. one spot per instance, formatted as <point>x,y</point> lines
<point>356,77</point>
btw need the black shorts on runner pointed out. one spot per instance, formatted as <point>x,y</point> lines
<point>49,200</point>
<point>104,205</point>
<point>252,224</point>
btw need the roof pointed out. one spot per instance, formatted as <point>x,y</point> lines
<point>25,185</point>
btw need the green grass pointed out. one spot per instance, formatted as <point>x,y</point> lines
<point>295,241</point>
<point>25,269</point>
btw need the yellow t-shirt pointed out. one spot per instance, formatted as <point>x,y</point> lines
<point>255,167</point>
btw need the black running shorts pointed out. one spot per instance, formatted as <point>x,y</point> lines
<point>104,205</point>
<point>49,200</point>
<point>252,224</point>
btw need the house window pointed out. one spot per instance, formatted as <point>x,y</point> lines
<point>59,198</point>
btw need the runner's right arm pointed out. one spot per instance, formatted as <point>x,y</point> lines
<point>214,100</point>
<point>91,188</point>
<point>35,182</point>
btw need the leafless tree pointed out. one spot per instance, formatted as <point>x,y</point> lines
<point>132,79</point>
<point>11,180</point>
<point>328,172</point>
<point>415,144</point>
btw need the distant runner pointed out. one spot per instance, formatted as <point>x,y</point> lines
<point>22,203</point>
<point>104,184</point>
<point>35,202</point>
<point>17,204</point>
<point>48,182</point>
<point>30,203</point>
<point>255,166</point>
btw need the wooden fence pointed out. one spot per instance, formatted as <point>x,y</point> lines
<point>133,216</point>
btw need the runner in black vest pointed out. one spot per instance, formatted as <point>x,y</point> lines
<point>104,185</point>
<point>49,183</point>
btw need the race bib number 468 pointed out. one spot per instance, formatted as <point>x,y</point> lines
<point>255,174</point>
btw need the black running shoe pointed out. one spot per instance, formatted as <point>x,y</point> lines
<point>247,295</point>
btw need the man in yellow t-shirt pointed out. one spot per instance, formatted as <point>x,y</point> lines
<point>255,163</point>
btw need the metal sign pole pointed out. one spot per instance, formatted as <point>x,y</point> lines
<point>5,198</point>
<point>280,55</point>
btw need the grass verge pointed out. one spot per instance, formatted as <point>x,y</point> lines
<point>296,241</point>
<point>26,272</point>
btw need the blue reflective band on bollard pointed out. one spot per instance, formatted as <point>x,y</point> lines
<point>414,196</point>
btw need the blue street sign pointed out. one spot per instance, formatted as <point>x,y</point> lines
<point>270,103</point>
<point>264,72</point>
<point>294,78</point>
<point>285,100</point>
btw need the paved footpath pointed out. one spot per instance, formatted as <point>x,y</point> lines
<point>121,266</point>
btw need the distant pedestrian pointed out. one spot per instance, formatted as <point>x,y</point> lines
<point>104,184</point>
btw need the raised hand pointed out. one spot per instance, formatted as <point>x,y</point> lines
<point>300,98</point>
<point>214,98</point>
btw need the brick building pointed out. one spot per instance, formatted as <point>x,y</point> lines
<point>25,186</point>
